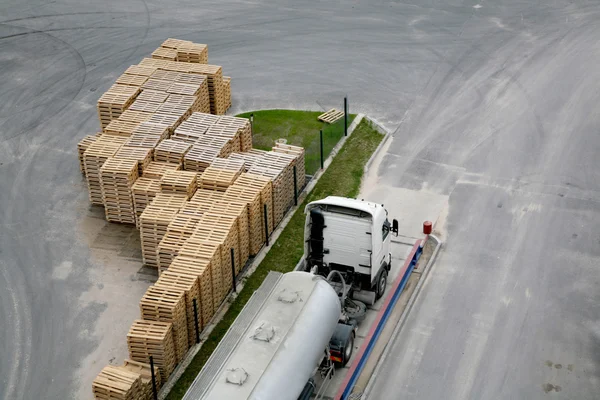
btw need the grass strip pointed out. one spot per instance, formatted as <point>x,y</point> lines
<point>342,178</point>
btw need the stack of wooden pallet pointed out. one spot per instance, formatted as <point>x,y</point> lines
<point>186,51</point>
<point>117,383</point>
<point>164,304</point>
<point>199,268</point>
<point>180,229</point>
<point>236,212</point>
<point>299,162</point>
<point>156,169</point>
<point>142,155</point>
<point>82,146</point>
<point>180,182</point>
<point>232,133</point>
<point>170,150</point>
<point>227,85</point>
<point>252,197</point>
<point>194,127</point>
<point>143,370</point>
<point>202,202</point>
<point>200,254</point>
<point>114,102</point>
<point>154,222</point>
<point>143,192</point>
<point>152,338</point>
<point>217,179</point>
<point>189,285</point>
<point>216,89</point>
<point>244,129</point>
<point>135,116</point>
<point>94,157</point>
<point>264,186</point>
<point>117,177</point>
<point>120,127</point>
<point>229,164</point>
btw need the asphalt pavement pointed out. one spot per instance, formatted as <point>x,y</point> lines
<point>493,104</point>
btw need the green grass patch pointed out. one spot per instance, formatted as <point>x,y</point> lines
<point>342,178</point>
<point>299,128</point>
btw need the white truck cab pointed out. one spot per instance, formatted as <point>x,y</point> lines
<point>350,236</point>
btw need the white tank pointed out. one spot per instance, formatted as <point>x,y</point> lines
<point>283,345</point>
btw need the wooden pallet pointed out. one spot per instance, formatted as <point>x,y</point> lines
<point>264,186</point>
<point>164,304</point>
<point>143,140</point>
<point>244,129</point>
<point>183,182</point>
<point>157,169</point>
<point>131,80</point>
<point>143,192</point>
<point>142,155</point>
<point>82,146</point>
<point>145,106</point>
<point>170,76</point>
<point>193,102</point>
<point>170,150</point>
<point>217,179</point>
<point>93,159</point>
<point>331,116</point>
<point>135,116</point>
<point>179,110</point>
<point>124,90</point>
<point>116,179</point>
<point>237,211</point>
<point>189,285</point>
<point>227,86</point>
<point>200,268</point>
<point>230,132</point>
<point>256,227</point>
<point>143,369</point>
<point>170,122</point>
<point>118,384</point>
<point>299,161</point>
<point>154,62</point>
<point>140,70</point>
<point>111,105</point>
<point>229,164</point>
<point>172,43</point>
<point>155,96</point>
<point>157,84</point>
<point>119,127</point>
<point>152,338</point>
<point>191,79</point>
<point>165,54</point>
<point>199,157</point>
<point>192,53</point>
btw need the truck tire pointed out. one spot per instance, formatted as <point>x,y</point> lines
<point>348,350</point>
<point>381,283</point>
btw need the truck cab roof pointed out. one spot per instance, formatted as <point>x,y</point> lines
<point>377,211</point>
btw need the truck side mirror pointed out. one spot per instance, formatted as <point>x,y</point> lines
<point>395,226</point>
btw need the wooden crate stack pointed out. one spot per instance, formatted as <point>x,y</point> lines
<point>200,253</point>
<point>117,177</point>
<point>230,132</point>
<point>264,186</point>
<point>114,102</point>
<point>299,162</point>
<point>164,304</point>
<point>199,268</point>
<point>143,370</point>
<point>143,192</point>
<point>170,150</point>
<point>237,211</point>
<point>216,89</point>
<point>251,196</point>
<point>244,128</point>
<point>180,229</point>
<point>227,85</point>
<point>180,182</point>
<point>189,285</point>
<point>165,54</point>
<point>93,159</point>
<point>217,179</point>
<point>187,51</point>
<point>154,222</point>
<point>142,155</point>
<point>118,384</point>
<point>152,338</point>
<point>82,146</point>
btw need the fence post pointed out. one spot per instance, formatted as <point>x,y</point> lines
<point>345,116</point>
<point>295,187</point>
<point>266,225</point>
<point>252,123</point>
<point>154,391</point>
<point>233,269</point>
<point>321,136</point>
<point>196,321</point>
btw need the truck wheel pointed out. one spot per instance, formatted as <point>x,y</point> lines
<point>348,350</point>
<point>381,283</point>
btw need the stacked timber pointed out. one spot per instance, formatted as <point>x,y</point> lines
<point>164,304</point>
<point>154,222</point>
<point>118,384</point>
<point>152,338</point>
<point>117,177</point>
<point>189,285</point>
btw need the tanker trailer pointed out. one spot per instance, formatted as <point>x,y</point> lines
<point>278,343</point>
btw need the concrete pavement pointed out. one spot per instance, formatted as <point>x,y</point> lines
<point>493,104</point>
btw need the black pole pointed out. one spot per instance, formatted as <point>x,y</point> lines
<point>345,116</point>
<point>196,321</point>
<point>295,187</point>
<point>266,225</point>
<point>233,269</point>
<point>252,122</point>
<point>321,136</point>
<point>154,391</point>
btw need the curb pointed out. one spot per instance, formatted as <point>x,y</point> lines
<point>249,269</point>
<point>403,317</point>
<point>379,128</point>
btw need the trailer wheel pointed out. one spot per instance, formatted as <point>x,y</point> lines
<point>381,283</point>
<point>348,349</point>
